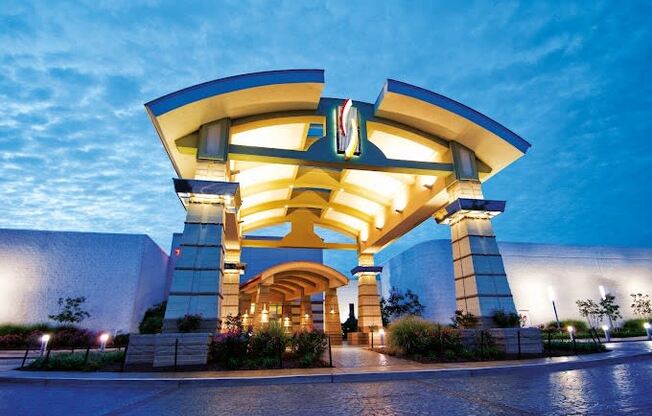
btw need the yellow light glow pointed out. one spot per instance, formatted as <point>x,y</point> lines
<point>377,182</point>
<point>284,136</point>
<point>264,173</point>
<point>401,148</point>
<point>364,234</point>
<point>357,202</point>
<point>400,200</point>
<point>262,215</point>
<point>427,181</point>
<point>264,197</point>
<point>348,220</point>
<point>379,220</point>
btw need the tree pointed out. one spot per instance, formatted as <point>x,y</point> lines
<point>70,311</point>
<point>152,322</point>
<point>400,304</point>
<point>591,311</point>
<point>610,309</point>
<point>641,305</point>
<point>464,320</point>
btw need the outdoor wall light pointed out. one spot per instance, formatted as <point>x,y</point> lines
<point>103,339</point>
<point>44,342</point>
<point>571,332</point>
<point>605,328</point>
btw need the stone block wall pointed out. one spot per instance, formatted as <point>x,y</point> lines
<point>158,350</point>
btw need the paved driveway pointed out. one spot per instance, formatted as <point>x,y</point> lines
<point>605,390</point>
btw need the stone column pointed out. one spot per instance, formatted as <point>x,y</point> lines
<point>261,313</point>
<point>481,286</point>
<point>230,283</point>
<point>368,298</point>
<point>332,324</point>
<point>197,273</point>
<point>305,311</point>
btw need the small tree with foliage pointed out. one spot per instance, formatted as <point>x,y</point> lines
<point>152,322</point>
<point>591,311</point>
<point>610,309</point>
<point>641,305</point>
<point>463,319</point>
<point>189,323</point>
<point>400,304</point>
<point>70,311</point>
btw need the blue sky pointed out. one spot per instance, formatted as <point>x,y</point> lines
<point>77,151</point>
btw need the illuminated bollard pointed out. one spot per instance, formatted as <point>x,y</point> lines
<point>571,332</point>
<point>103,339</point>
<point>607,337</point>
<point>647,327</point>
<point>44,342</point>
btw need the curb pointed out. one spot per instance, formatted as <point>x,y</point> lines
<point>439,373</point>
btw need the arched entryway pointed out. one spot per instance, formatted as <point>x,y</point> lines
<point>299,295</point>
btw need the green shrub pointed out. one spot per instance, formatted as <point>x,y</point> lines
<point>464,320</point>
<point>411,335</point>
<point>504,319</point>
<point>635,325</point>
<point>120,340</point>
<point>269,341</point>
<point>189,323</point>
<point>11,329</point>
<point>75,361</point>
<point>152,322</point>
<point>308,346</point>
<point>229,349</point>
<point>580,326</point>
<point>580,347</point>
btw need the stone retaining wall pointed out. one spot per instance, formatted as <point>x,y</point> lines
<point>506,339</point>
<point>158,349</point>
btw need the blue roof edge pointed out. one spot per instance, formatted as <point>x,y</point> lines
<point>431,97</point>
<point>174,100</point>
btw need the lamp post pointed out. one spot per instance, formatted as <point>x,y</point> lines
<point>607,337</point>
<point>103,339</point>
<point>571,332</point>
<point>647,327</point>
<point>551,294</point>
<point>44,342</point>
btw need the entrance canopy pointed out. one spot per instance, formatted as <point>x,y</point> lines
<point>293,280</point>
<point>281,141</point>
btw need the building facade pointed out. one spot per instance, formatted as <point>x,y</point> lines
<point>121,275</point>
<point>535,272</point>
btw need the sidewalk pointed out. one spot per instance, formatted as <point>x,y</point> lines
<point>351,364</point>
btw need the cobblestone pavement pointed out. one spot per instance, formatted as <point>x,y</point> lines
<point>605,390</point>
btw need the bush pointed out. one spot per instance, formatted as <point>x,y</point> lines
<point>120,340</point>
<point>152,322</point>
<point>503,319</point>
<point>75,361</point>
<point>464,320</point>
<point>229,349</point>
<point>7,329</point>
<point>13,341</point>
<point>189,323</point>
<point>309,346</point>
<point>411,335</point>
<point>268,342</point>
<point>635,325</point>
<point>580,326</point>
<point>73,337</point>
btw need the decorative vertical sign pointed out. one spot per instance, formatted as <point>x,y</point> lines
<point>348,133</point>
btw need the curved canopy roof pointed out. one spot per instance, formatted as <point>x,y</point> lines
<point>295,279</point>
<point>281,150</point>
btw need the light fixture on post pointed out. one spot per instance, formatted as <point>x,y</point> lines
<point>551,295</point>
<point>103,339</point>
<point>605,329</point>
<point>44,342</point>
<point>647,327</point>
<point>571,332</point>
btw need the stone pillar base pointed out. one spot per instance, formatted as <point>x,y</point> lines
<point>358,338</point>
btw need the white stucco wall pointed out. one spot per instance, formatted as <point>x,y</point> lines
<point>573,272</point>
<point>121,275</point>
